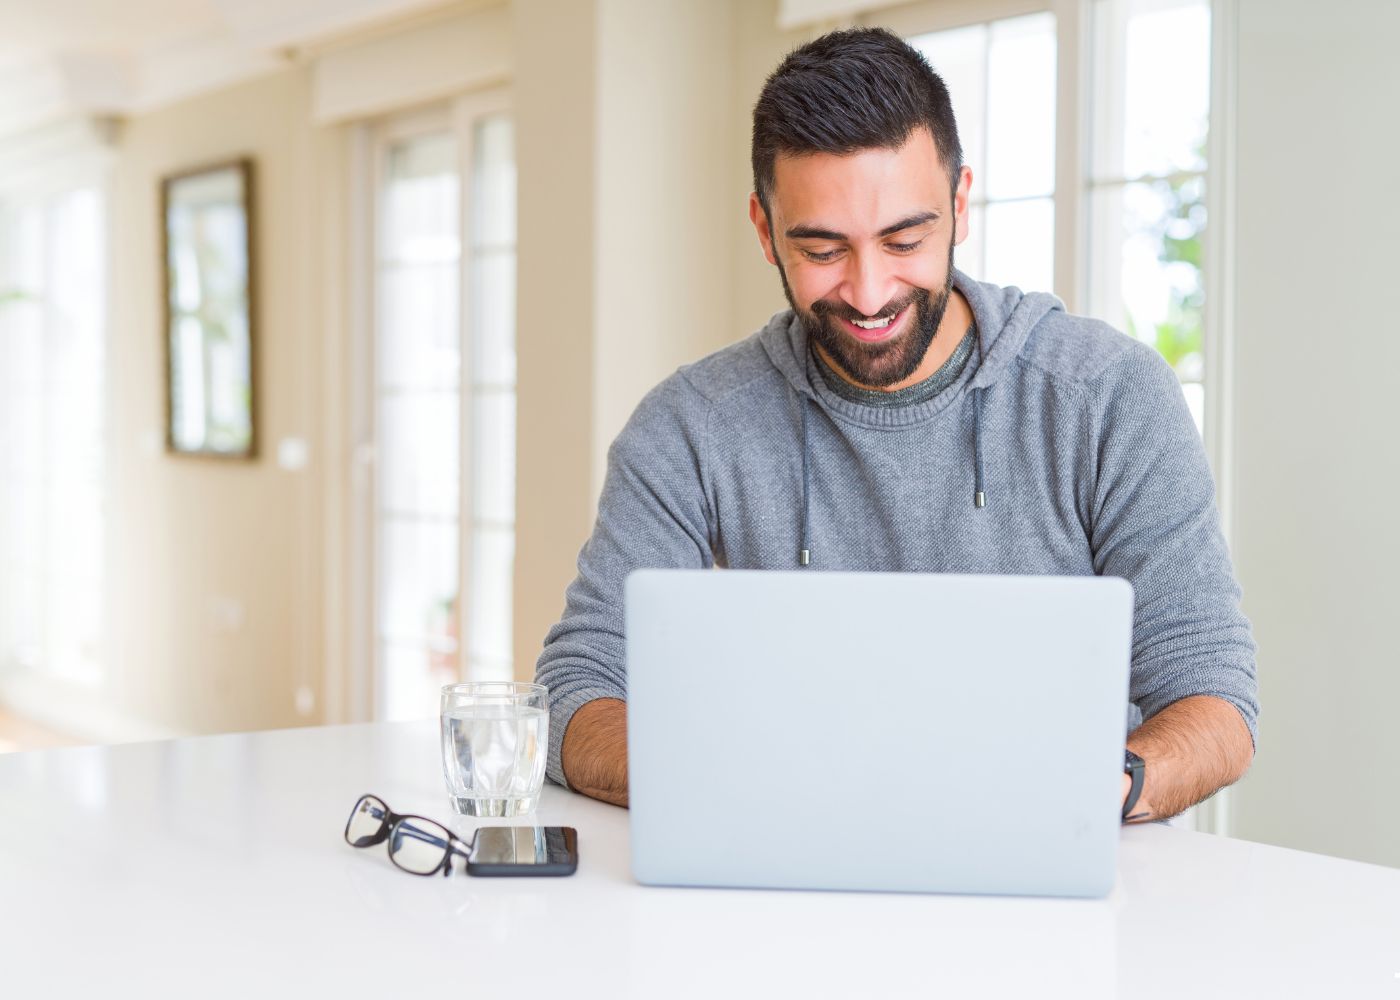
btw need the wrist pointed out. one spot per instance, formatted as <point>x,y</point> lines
<point>1134,775</point>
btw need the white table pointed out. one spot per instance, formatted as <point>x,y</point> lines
<point>216,866</point>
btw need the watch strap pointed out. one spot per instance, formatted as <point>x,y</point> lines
<point>1134,766</point>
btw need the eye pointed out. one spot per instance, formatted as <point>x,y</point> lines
<point>905,247</point>
<point>820,258</point>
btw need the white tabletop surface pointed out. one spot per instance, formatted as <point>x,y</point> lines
<point>216,866</point>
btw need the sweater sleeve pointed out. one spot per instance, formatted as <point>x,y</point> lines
<point>653,514</point>
<point>1154,522</point>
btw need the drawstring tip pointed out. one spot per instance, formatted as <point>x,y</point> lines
<point>980,499</point>
<point>804,557</point>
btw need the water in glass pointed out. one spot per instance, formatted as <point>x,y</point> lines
<point>494,748</point>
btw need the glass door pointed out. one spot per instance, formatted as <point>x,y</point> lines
<point>443,402</point>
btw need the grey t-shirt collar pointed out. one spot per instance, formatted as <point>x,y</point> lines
<point>910,395</point>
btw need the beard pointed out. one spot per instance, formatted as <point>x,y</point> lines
<point>890,361</point>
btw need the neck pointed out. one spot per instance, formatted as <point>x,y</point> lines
<point>956,319</point>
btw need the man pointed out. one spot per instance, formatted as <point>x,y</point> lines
<point>903,417</point>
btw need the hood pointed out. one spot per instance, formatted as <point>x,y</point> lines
<point>1005,319</point>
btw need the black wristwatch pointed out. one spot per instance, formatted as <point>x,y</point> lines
<point>1133,765</point>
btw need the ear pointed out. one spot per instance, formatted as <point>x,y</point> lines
<point>759,218</point>
<point>960,201</point>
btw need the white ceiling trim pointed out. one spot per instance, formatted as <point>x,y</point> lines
<point>450,56</point>
<point>197,67</point>
<point>56,156</point>
<point>825,13</point>
<point>274,24</point>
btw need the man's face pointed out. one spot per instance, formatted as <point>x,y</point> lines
<point>863,244</point>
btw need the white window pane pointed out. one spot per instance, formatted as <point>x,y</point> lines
<point>418,326</point>
<point>1146,266</point>
<point>74,521</point>
<point>493,182</point>
<point>1021,108</point>
<point>493,457</point>
<point>1153,96</point>
<point>418,424</point>
<point>419,438</point>
<point>488,633</point>
<point>52,352</point>
<point>24,263</point>
<point>960,58</point>
<point>493,317</point>
<point>417,579</point>
<point>1195,394</point>
<point>967,255</point>
<point>420,334</point>
<point>21,438</point>
<point>420,210</point>
<point>1020,244</point>
<point>411,680</point>
<point>187,402</point>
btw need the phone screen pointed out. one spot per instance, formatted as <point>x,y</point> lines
<point>524,850</point>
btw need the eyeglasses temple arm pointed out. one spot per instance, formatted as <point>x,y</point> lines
<point>428,838</point>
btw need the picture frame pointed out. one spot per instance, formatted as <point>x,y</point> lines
<point>210,310</point>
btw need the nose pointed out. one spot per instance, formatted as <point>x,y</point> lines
<point>870,284</point>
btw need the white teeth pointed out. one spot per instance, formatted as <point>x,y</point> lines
<point>873,324</point>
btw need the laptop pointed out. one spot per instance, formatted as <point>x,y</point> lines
<point>877,731</point>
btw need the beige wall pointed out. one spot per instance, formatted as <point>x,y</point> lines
<point>663,199</point>
<point>1317,467</point>
<point>232,579</point>
<point>216,566</point>
<point>553,95</point>
<point>628,203</point>
<point>759,47</point>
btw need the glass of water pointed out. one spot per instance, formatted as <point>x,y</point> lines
<point>495,738</point>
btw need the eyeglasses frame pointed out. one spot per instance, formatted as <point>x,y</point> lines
<point>391,822</point>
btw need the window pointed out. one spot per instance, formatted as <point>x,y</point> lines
<point>1127,232</point>
<point>443,401</point>
<point>1117,230</point>
<point>1001,76</point>
<point>1147,182</point>
<point>51,435</point>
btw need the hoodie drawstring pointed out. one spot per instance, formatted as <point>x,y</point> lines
<point>804,555</point>
<point>979,485</point>
<point>979,494</point>
<point>979,488</point>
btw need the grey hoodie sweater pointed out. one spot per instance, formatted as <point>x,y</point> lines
<point>1075,439</point>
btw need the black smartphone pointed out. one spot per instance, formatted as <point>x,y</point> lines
<point>524,850</point>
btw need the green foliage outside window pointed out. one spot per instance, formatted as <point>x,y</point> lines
<point>1179,233</point>
<point>1179,337</point>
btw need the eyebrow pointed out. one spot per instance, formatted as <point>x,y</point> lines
<point>813,233</point>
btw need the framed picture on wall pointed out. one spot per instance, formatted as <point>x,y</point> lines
<point>206,225</point>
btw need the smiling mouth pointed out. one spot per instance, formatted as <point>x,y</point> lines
<point>874,330</point>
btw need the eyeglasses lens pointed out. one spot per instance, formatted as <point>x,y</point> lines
<point>418,845</point>
<point>368,822</point>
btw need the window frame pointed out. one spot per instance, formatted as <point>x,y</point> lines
<point>1073,185</point>
<point>54,164</point>
<point>1073,180</point>
<point>368,142</point>
<point>1072,79</point>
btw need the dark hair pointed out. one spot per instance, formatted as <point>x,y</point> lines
<point>862,88</point>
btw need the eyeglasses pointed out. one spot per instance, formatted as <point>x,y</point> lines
<point>417,845</point>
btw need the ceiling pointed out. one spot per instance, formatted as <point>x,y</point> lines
<point>56,26</point>
<point>64,57</point>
